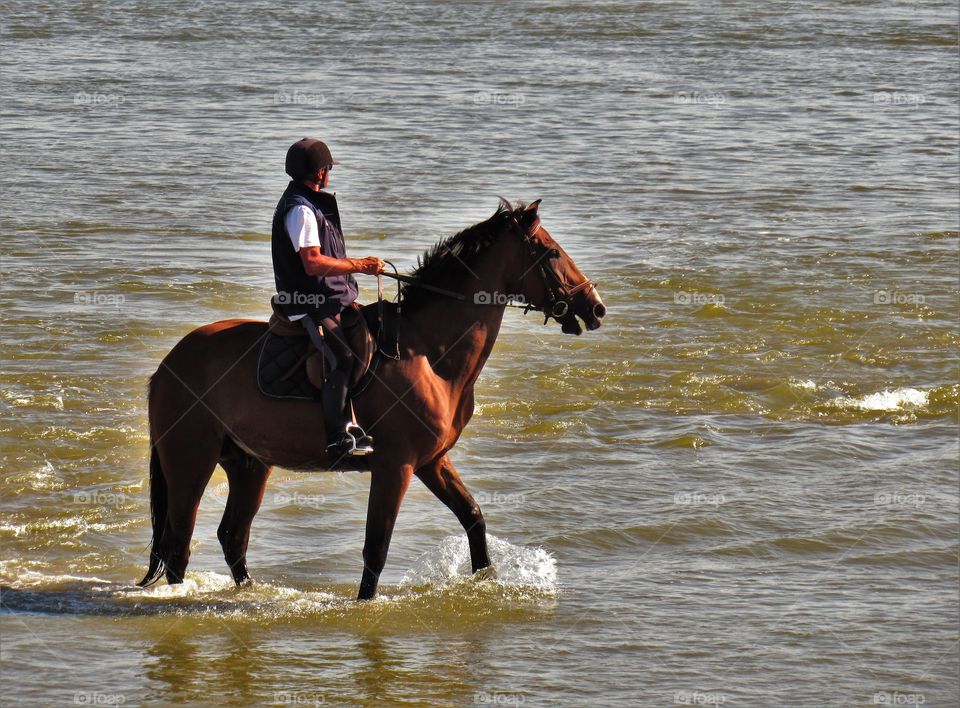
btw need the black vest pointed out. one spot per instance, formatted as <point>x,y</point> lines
<point>297,292</point>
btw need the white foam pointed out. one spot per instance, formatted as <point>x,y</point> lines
<point>216,592</point>
<point>515,565</point>
<point>888,400</point>
<point>193,584</point>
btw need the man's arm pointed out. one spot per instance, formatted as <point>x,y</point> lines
<point>315,263</point>
<point>304,231</point>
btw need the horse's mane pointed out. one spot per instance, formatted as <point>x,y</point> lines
<point>448,261</point>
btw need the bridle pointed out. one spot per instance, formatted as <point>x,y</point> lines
<point>559,295</point>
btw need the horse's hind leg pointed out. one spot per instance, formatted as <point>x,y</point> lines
<point>441,478</point>
<point>248,478</point>
<point>188,461</point>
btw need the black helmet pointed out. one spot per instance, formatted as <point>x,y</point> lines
<point>306,156</point>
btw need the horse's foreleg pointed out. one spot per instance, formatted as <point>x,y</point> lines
<point>248,478</point>
<point>442,479</point>
<point>387,488</point>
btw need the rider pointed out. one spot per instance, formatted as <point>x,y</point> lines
<point>315,282</point>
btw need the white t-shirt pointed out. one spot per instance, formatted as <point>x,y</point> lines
<point>302,227</point>
<point>304,232</point>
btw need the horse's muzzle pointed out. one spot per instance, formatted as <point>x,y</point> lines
<point>593,310</point>
<point>588,307</point>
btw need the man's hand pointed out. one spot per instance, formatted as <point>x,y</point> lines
<point>371,265</point>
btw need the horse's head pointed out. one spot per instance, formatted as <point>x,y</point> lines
<point>548,278</point>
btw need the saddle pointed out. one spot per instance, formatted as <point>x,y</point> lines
<point>290,366</point>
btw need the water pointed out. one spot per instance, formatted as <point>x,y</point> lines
<point>741,490</point>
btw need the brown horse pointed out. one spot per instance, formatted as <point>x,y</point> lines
<point>205,406</point>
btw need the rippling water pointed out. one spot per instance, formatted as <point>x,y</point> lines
<point>742,489</point>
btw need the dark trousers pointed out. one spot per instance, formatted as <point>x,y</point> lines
<point>336,387</point>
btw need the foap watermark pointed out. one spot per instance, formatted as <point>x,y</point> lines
<point>700,98</point>
<point>96,698</point>
<point>897,98</point>
<point>894,297</point>
<point>900,499</point>
<point>298,698</point>
<point>497,698</point>
<point>698,698</point>
<point>499,499</point>
<point>494,298</point>
<point>98,299</point>
<point>496,98</point>
<point>82,98</point>
<point>685,298</point>
<point>297,298</point>
<point>713,499</point>
<point>312,501</point>
<point>896,698</point>
<point>298,98</point>
<point>95,498</point>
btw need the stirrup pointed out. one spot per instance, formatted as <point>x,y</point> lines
<point>362,443</point>
<point>352,441</point>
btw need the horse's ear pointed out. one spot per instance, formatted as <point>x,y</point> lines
<point>530,217</point>
<point>505,205</point>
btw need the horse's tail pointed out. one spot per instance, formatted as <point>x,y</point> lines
<point>158,519</point>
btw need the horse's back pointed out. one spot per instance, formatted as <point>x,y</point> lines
<point>210,350</point>
<point>235,326</point>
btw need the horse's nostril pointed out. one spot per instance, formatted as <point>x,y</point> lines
<point>599,311</point>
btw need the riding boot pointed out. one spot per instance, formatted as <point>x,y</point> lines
<point>344,437</point>
<point>334,397</point>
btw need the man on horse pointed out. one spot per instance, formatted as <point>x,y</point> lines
<point>315,281</point>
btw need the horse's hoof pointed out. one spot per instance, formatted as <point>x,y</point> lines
<point>488,573</point>
<point>244,582</point>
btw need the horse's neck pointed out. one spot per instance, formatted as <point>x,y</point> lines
<point>457,337</point>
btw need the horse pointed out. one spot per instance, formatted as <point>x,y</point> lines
<point>205,407</point>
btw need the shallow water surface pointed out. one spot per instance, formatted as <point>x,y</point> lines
<point>742,489</point>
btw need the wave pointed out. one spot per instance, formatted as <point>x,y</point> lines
<point>887,400</point>
<point>45,400</point>
<point>76,524</point>
<point>691,528</point>
<point>800,397</point>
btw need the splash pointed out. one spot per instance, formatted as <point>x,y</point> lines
<point>193,585</point>
<point>439,582</point>
<point>516,566</point>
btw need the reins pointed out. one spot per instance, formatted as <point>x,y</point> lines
<point>440,291</point>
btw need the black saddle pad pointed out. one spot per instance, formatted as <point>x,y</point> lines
<point>277,356</point>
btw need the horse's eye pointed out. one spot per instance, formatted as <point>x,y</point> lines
<point>554,253</point>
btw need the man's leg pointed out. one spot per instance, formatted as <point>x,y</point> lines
<point>336,387</point>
